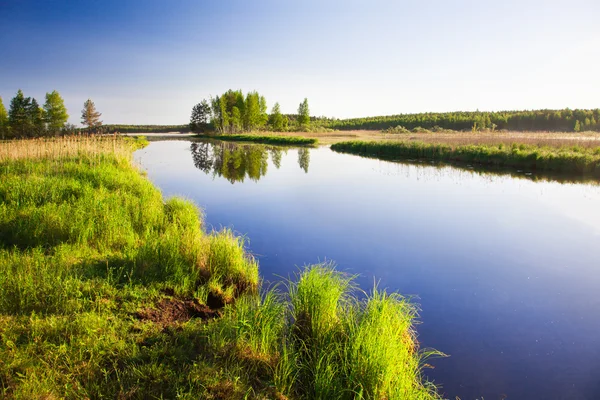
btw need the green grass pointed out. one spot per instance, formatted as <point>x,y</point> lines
<point>269,139</point>
<point>569,159</point>
<point>103,283</point>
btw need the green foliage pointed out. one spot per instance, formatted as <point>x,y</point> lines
<point>89,116</point>
<point>303,113</point>
<point>55,112</point>
<point>535,120</point>
<point>524,156</point>
<point>3,120</point>
<point>199,120</point>
<point>252,111</point>
<point>233,112</point>
<point>396,129</point>
<point>277,120</point>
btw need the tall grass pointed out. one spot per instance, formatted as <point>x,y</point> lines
<point>572,159</point>
<point>103,285</point>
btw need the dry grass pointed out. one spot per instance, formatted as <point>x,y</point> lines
<point>66,147</point>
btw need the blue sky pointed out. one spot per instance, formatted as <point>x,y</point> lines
<point>151,61</point>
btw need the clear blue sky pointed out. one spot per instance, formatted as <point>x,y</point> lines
<point>150,61</point>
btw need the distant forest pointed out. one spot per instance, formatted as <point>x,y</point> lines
<point>112,128</point>
<point>536,120</point>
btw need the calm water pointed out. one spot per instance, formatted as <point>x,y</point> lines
<point>506,270</point>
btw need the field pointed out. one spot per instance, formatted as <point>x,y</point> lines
<point>109,291</point>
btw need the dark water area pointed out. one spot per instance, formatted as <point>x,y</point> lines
<point>506,270</point>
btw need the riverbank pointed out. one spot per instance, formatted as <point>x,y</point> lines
<point>572,159</point>
<point>108,291</point>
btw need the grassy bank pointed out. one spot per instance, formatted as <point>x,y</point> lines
<point>268,139</point>
<point>108,291</point>
<point>571,159</point>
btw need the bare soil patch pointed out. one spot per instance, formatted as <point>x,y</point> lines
<point>169,311</point>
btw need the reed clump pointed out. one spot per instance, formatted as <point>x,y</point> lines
<point>109,291</point>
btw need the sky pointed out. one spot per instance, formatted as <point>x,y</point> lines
<point>149,62</point>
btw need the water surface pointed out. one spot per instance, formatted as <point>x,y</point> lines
<point>506,270</point>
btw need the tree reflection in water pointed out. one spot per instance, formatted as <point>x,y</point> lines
<point>235,162</point>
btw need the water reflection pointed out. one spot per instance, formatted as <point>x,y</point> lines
<point>304,158</point>
<point>236,162</point>
<point>483,170</point>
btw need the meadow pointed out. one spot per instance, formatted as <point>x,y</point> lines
<point>109,291</point>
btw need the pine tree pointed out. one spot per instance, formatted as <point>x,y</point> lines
<point>303,113</point>
<point>18,115</point>
<point>55,112</point>
<point>89,116</point>
<point>577,127</point>
<point>3,121</point>
<point>35,115</point>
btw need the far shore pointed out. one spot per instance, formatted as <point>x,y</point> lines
<point>327,138</point>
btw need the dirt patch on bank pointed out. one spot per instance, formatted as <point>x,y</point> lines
<point>169,311</point>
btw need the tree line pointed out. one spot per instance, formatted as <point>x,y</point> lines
<point>566,120</point>
<point>125,128</point>
<point>25,118</point>
<point>233,112</point>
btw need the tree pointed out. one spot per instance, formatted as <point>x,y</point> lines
<point>35,114</point>
<point>264,117</point>
<point>200,117</point>
<point>252,114</point>
<point>303,113</point>
<point>577,127</point>
<point>276,119</point>
<point>3,121</point>
<point>55,112</point>
<point>19,115</point>
<point>236,120</point>
<point>89,116</point>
